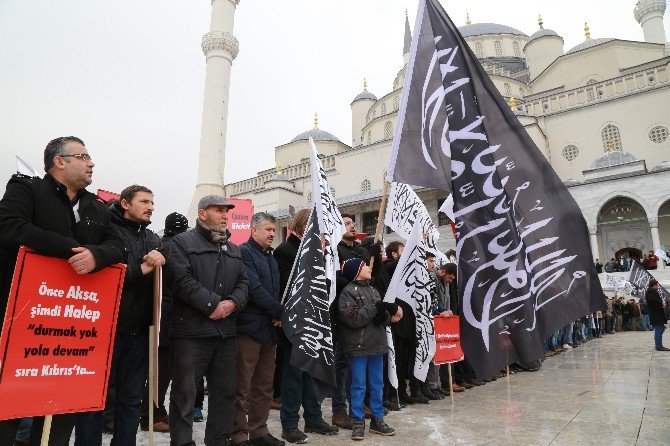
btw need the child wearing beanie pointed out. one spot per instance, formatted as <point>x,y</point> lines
<point>363,315</point>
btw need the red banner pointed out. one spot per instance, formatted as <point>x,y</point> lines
<point>57,338</point>
<point>239,220</point>
<point>447,340</point>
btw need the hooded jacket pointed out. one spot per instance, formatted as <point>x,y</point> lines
<point>37,213</point>
<point>363,316</point>
<point>655,304</point>
<point>136,309</point>
<point>203,274</point>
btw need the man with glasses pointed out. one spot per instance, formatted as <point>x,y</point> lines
<point>56,216</point>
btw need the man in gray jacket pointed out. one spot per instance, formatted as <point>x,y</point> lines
<point>210,287</point>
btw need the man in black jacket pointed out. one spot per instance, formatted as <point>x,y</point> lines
<point>656,314</point>
<point>130,361</point>
<point>256,340</point>
<point>210,287</point>
<point>57,217</point>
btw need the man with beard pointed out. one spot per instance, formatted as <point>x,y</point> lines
<point>130,360</point>
<point>210,287</point>
<point>56,216</point>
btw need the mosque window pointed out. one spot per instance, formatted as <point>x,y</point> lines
<point>611,138</point>
<point>498,47</point>
<point>396,103</point>
<point>479,50</point>
<point>365,185</point>
<point>508,90</point>
<point>517,50</point>
<point>369,136</point>
<point>388,130</point>
<point>384,108</point>
<point>309,197</point>
<point>570,152</point>
<point>521,92</point>
<point>658,134</point>
<point>374,113</point>
<point>332,191</point>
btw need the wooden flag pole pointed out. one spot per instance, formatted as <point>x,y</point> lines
<point>46,431</point>
<point>451,384</point>
<point>380,217</point>
<point>152,342</point>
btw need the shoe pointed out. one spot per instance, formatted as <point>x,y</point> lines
<point>161,426</point>
<point>420,399</point>
<point>406,400</point>
<point>393,405</point>
<point>358,429</point>
<point>663,349</point>
<point>342,420</point>
<point>457,388</point>
<point>446,391</point>
<point>245,443</point>
<point>426,393</point>
<point>466,385</point>
<point>295,436</point>
<point>378,426</point>
<point>322,428</point>
<point>567,346</point>
<point>197,415</point>
<point>474,382</point>
<point>276,404</point>
<point>267,440</point>
<point>438,391</point>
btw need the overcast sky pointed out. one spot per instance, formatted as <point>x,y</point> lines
<point>127,76</point>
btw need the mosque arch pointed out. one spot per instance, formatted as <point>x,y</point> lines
<point>623,225</point>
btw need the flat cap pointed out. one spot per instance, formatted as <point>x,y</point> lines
<point>214,200</point>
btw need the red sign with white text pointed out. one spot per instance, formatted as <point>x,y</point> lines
<point>447,340</point>
<point>239,220</point>
<point>57,338</point>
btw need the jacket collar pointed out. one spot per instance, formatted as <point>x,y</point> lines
<point>62,189</point>
<point>117,215</point>
<point>294,240</point>
<point>258,247</point>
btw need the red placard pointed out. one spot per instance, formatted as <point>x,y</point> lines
<point>107,195</point>
<point>447,340</point>
<point>57,338</point>
<point>239,220</point>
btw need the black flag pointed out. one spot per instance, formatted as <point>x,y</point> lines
<point>306,319</point>
<point>640,277</point>
<point>525,267</point>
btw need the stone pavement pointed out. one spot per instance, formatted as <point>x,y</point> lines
<point>609,391</point>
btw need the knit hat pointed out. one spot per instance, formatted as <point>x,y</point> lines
<point>175,223</point>
<point>352,267</point>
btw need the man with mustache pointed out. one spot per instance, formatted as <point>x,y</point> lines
<point>56,216</point>
<point>130,360</point>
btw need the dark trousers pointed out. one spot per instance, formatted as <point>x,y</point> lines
<point>255,375</point>
<point>658,335</point>
<point>297,388</point>
<point>130,363</point>
<point>342,379</point>
<point>404,360</point>
<point>279,370</point>
<point>164,378</point>
<point>61,429</point>
<point>463,372</point>
<point>193,358</point>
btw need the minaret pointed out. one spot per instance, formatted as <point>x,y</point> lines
<point>407,47</point>
<point>220,48</point>
<point>649,14</point>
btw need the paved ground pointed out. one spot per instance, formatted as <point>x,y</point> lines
<point>610,391</point>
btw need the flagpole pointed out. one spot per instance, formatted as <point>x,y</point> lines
<point>46,431</point>
<point>380,217</point>
<point>451,384</point>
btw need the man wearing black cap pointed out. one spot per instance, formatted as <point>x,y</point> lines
<point>656,314</point>
<point>210,287</point>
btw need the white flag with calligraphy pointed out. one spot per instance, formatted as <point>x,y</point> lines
<point>331,224</point>
<point>412,284</point>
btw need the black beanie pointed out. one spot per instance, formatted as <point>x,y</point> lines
<point>351,268</point>
<point>175,223</point>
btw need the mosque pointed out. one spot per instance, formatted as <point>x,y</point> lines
<point>599,112</point>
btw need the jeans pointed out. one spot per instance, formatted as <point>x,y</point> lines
<point>297,388</point>
<point>646,325</point>
<point>341,378</point>
<point>368,369</point>
<point>567,336</point>
<point>130,363</point>
<point>658,335</point>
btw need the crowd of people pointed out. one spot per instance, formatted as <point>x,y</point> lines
<point>624,263</point>
<point>222,310</point>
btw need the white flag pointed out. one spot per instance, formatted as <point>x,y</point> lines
<point>24,168</point>
<point>405,207</point>
<point>618,283</point>
<point>662,255</point>
<point>392,371</point>
<point>331,224</point>
<point>411,283</point>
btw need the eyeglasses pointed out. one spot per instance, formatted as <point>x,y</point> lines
<point>350,223</point>
<point>81,156</point>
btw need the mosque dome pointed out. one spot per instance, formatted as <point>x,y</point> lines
<point>481,29</point>
<point>665,165</point>
<point>365,95</point>
<point>316,133</point>
<point>610,159</point>
<point>590,43</point>
<point>542,32</point>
